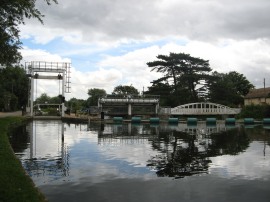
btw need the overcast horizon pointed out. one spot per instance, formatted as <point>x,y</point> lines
<point>110,42</point>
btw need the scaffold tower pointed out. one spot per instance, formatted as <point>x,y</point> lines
<point>50,71</point>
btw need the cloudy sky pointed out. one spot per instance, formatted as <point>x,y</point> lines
<point>110,42</point>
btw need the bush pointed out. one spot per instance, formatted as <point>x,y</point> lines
<point>53,112</point>
<point>255,111</point>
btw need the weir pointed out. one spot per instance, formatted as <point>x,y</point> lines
<point>127,105</point>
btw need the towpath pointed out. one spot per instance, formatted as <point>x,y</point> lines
<point>6,114</point>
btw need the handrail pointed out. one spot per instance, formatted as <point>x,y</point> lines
<point>204,108</point>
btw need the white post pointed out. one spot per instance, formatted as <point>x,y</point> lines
<point>63,92</point>
<point>31,132</point>
<point>62,131</point>
<point>157,106</point>
<point>129,109</point>
<point>32,95</point>
<point>129,128</point>
<point>98,103</point>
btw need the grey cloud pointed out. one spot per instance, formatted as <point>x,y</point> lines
<point>137,19</point>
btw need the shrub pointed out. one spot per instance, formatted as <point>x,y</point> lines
<point>255,111</point>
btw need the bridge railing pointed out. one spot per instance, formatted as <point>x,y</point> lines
<point>131,96</point>
<point>129,99</point>
<point>205,111</point>
<point>46,66</point>
<point>204,108</point>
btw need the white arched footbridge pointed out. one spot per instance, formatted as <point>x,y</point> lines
<point>203,108</point>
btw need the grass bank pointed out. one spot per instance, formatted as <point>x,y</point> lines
<point>15,185</point>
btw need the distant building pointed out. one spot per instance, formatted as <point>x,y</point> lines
<point>258,96</point>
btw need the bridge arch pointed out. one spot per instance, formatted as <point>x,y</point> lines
<point>204,108</point>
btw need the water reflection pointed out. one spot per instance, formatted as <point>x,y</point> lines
<point>46,154</point>
<point>183,150</point>
<point>97,157</point>
<point>177,150</point>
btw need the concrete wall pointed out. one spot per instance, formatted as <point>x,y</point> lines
<point>257,101</point>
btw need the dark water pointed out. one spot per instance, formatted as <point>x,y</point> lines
<point>127,162</point>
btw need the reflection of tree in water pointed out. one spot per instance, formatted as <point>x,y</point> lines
<point>261,133</point>
<point>183,154</point>
<point>230,142</point>
<point>19,138</point>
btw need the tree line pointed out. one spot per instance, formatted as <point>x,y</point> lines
<point>184,79</point>
<point>13,88</point>
<point>187,79</point>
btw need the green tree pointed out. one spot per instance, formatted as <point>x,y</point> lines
<point>188,75</point>
<point>94,95</point>
<point>241,85</point>
<point>75,104</point>
<point>125,90</point>
<point>43,99</point>
<point>229,89</point>
<point>166,64</point>
<point>12,15</point>
<point>13,88</point>
<point>55,99</point>
<point>164,90</point>
<point>46,99</point>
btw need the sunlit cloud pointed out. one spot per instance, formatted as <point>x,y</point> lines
<point>110,42</point>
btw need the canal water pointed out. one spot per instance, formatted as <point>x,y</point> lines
<point>127,162</point>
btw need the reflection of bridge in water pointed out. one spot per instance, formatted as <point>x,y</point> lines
<point>183,150</point>
<point>141,133</point>
<point>57,163</point>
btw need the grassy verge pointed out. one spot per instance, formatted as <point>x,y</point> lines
<point>15,185</point>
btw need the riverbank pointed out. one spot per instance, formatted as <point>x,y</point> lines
<point>15,184</point>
